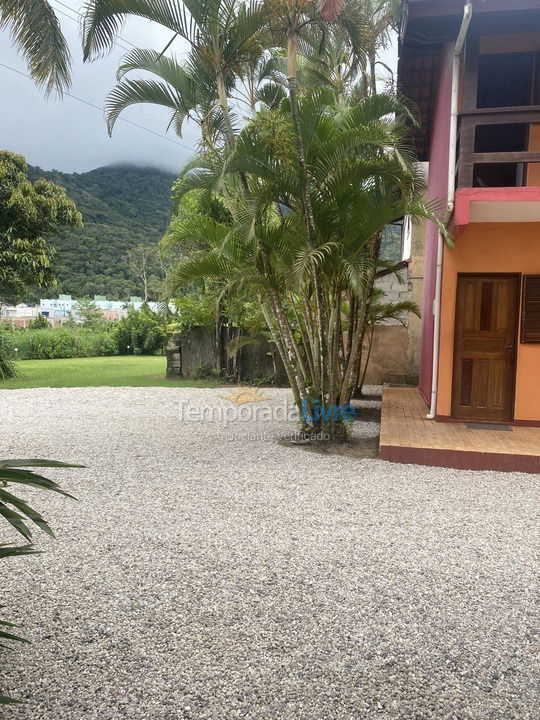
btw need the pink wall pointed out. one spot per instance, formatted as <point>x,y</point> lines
<point>437,191</point>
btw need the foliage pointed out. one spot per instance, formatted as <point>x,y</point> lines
<point>36,31</point>
<point>360,177</point>
<point>142,332</point>
<point>122,206</point>
<point>8,368</point>
<point>194,310</point>
<point>40,322</point>
<point>60,342</point>
<point>223,36</point>
<point>19,515</point>
<point>29,213</point>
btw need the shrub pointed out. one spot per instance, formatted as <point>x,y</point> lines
<point>40,322</point>
<point>61,342</point>
<point>140,333</point>
<point>8,368</point>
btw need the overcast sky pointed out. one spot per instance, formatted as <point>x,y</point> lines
<point>70,136</point>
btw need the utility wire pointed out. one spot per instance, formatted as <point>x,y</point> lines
<point>119,37</point>
<point>75,20</point>
<point>80,15</point>
<point>97,107</point>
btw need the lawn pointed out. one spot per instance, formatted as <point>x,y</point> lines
<point>117,371</point>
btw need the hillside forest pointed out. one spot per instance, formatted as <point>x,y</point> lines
<point>124,208</point>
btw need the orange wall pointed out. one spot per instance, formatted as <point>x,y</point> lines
<point>485,248</point>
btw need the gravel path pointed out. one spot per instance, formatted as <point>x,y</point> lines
<point>202,575</point>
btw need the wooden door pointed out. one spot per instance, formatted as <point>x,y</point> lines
<point>485,347</point>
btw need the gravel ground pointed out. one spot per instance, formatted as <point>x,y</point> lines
<point>203,574</point>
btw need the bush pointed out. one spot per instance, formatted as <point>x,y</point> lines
<point>48,344</point>
<point>40,322</point>
<point>140,333</point>
<point>61,342</point>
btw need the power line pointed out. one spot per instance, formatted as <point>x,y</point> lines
<point>61,12</point>
<point>80,15</point>
<point>119,37</point>
<point>97,107</point>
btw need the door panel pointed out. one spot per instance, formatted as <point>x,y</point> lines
<point>485,347</point>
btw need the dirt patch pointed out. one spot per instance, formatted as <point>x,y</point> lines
<point>359,448</point>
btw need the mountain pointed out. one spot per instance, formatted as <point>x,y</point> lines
<point>122,206</point>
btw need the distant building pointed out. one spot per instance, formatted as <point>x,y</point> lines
<point>19,315</point>
<point>63,308</point>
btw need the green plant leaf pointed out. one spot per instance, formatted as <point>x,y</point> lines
<point>32,462</point>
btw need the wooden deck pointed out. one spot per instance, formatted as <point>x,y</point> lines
<point>408,437</point>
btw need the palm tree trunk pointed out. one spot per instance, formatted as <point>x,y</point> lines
<point>285,357</point>
<point>320,300</point>
<point>224,104</point>
<point>290,345</point>
<point>292,62</point>
<point>360,385</point>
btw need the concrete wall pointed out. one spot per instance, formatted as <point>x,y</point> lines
<point>395,356</point>
<point>416,295</point>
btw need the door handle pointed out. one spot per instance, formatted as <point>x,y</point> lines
<point>509,347</point>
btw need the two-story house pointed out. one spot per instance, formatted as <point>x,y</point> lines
<point>473,72</point>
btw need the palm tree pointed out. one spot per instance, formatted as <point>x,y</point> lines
<point>222,37</point>
<point>35,30</point>
<point>175,88</point>
<point>361,177</point>
<point>381,15</point>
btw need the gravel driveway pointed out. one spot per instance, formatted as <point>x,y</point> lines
<point>205,575</point>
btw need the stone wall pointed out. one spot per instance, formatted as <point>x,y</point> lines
<point>194,354</point>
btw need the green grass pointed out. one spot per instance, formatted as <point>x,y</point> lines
<point>117,371</point>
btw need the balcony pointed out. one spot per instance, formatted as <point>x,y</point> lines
<point>495,147</point>
<point>497,172</point>
<point>498,148</point>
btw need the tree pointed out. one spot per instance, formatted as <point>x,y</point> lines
<point>89,313</point>
<point>142,332</point>
<point>314,288</point>
<point>221,35</point>
<point>139,259</point>
<point>29,213</point>
<point>40,322</point>
<point>35,30</point>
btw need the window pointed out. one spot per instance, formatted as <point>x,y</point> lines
<point>530,312</point>
<point>392,242</point>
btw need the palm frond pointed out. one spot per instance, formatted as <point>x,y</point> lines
<point>36,31</point>
<point>134,92</point>
<point>103,20</point>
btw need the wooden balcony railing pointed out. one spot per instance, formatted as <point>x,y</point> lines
<point>469,120</point>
